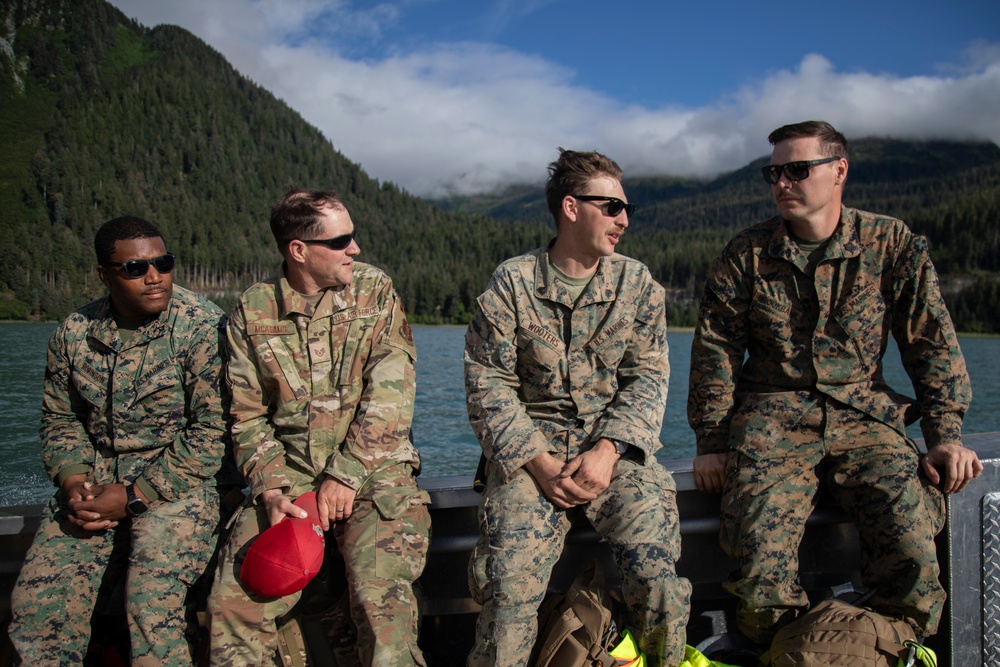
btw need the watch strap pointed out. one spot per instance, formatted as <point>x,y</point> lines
<point>134,505</point>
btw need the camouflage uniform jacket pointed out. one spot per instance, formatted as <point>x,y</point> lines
<point>825,335</point>
<point>147,410</point>
<point>329,391</point>
<point>546,375</point>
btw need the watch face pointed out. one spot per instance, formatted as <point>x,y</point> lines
<point>134,504</point>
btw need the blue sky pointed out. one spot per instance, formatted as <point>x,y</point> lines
<point>458,96</point>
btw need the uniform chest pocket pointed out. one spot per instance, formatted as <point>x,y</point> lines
<point>861,313</point>
<point>610,345</point>
<point>279,368</point>
<point>159,399</point>
<point>860,319</point>
<point>90,386</point>
<point>351,349</point>
<point>534,352</point>
<point>771,318</point>
<point>158,380</point>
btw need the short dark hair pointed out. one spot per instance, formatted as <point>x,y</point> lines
<point>571,174</point>
<point>832,142</point>
<point>124,228</point>
<point>297,214</point>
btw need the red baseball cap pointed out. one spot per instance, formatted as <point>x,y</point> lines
<point>287,555</point>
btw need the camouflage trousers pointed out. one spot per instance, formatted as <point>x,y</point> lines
<point>522,536</point>
<point>69,575</point>
<point>384,547</point>
<point>873,473</point>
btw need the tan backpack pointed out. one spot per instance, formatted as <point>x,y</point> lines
<point>578,628</point>
<point>836,633</point>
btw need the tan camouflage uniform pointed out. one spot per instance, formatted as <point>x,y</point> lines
<point>321,393</point>
<point>546,375</point>
<point>810,407</point>
<point>147,410</point>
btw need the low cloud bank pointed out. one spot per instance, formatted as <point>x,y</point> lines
<point>462,118</point>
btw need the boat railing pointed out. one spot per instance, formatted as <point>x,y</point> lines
<point>968,548</point>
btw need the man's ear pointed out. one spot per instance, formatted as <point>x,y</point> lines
<point>296,251</point>
<point>103,275</point>
<point>842,167</point>
<point>569,207</point>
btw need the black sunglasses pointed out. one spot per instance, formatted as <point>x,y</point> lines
<point>615,205</point>
<point>137,268</point>
<point>336,243</point>
<point>795,171</point>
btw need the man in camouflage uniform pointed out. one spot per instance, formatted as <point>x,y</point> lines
<point>323,383</point>
<point>810,297</point>
<point>134,436</point>
<point>566,375</point>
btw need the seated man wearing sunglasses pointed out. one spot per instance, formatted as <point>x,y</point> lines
<point>787,394</point>
<point>134,436</point>
<point>566,375</point>
<point>322,377</point>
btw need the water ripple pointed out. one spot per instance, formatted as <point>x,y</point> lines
<point>441,428</point>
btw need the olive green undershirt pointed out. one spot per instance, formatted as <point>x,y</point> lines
<point>812,250</point>
<point>128,326</point>
<point>313,299</point>
<point>574,286</point>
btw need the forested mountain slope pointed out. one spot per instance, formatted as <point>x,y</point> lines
<point>100,116</point>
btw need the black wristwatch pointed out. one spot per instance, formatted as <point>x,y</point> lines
<point>135,505</point>
<point>620,446</point>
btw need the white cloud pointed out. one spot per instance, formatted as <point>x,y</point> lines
<point>466,117</point>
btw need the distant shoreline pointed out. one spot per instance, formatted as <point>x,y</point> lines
<point>670,329</point>
<point>462,326</point>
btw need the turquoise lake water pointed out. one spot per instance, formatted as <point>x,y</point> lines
<point>441,429</point>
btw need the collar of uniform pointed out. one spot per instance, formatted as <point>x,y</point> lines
<point>603,286</point>
<point>103,329</point>
<point>600,288</point>
<point>334,300</point>
<point>844,242</point>
<point>289,300</point>
<point>546,285</point>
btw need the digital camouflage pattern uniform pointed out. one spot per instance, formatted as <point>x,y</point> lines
<point>546,375</point>
<point>147,411</point>
<point>809,407</point>
<point>327,392</point>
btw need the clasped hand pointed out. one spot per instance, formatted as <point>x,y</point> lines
<point>93,507</point>
<point>577,481</point>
